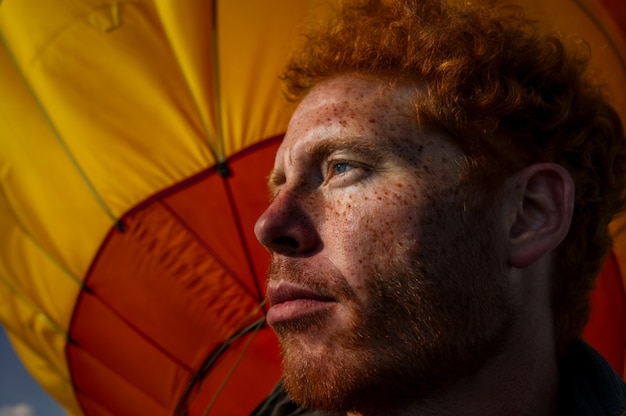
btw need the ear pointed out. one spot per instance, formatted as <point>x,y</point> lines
<point>542,197</point>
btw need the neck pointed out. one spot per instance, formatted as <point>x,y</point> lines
<point>522,380</point>
<point>515,384</point>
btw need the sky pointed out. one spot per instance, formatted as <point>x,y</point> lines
<point>20,395</point>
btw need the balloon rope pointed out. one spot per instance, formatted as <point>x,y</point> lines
<point>62,374</point>
<point>36,309</point>
<point>217,156</point>
<point>188,397</point>
<point>242,238</point>
<point>249,328</point>
<point>62,142</point>
<point>41,316</point>
<point>223,264</point>
<point>259,325</point>
<point>30,236</point>
<point>217,85</point>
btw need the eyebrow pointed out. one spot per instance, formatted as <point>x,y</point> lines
<point>363,146</point>
<point>322,150</point>
<point>275,178</point>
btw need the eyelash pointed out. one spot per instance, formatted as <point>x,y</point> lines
<point>333,164</point>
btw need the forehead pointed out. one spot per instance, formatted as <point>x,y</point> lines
<point>354,107</point>
<point>345,89</point>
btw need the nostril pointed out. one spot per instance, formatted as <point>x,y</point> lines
<point>285,227</point>
<point>285,241</point>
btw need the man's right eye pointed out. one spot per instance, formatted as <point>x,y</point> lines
<point>344,172</point>
<point>341,167</point>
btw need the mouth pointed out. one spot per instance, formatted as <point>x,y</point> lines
<point>290,302</point>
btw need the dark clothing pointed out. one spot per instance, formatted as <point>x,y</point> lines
<point>278,403</point>
<point>588,387</point>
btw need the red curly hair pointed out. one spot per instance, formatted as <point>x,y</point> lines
<point>508,94</point>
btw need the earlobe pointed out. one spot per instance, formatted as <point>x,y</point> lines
<point>542,197</point>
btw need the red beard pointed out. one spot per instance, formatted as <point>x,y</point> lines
<point>430,319</point>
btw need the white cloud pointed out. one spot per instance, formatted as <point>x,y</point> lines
<point>20,409</point>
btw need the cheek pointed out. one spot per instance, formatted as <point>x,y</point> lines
<point>365,230</point>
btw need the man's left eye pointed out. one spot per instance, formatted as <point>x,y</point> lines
<point>341,167</point>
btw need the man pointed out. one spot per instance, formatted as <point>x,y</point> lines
<point>439,211</point>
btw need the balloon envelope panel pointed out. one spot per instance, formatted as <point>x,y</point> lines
<point>128,257</point>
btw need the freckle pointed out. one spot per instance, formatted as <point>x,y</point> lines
<point>380,198</point>
<point>372,120</point>
<point>366,198</point>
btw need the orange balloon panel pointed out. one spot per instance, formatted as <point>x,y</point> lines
<point>172,249</point>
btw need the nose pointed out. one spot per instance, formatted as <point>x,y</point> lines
<point>286,228</point>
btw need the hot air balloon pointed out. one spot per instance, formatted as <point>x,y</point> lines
<point>135,138</point>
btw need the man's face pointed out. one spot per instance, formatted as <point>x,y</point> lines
<point>387,279</point>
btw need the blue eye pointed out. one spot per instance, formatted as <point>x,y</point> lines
<point>339,168</point>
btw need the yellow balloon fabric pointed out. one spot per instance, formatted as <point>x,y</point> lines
<point>105,104</point>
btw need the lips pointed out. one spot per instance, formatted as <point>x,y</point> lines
<point>286,292</point>
<point>290,302</point>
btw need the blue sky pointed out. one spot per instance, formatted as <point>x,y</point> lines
<point>20,395</point>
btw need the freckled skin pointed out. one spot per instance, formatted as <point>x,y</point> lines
<point>388,239</point>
